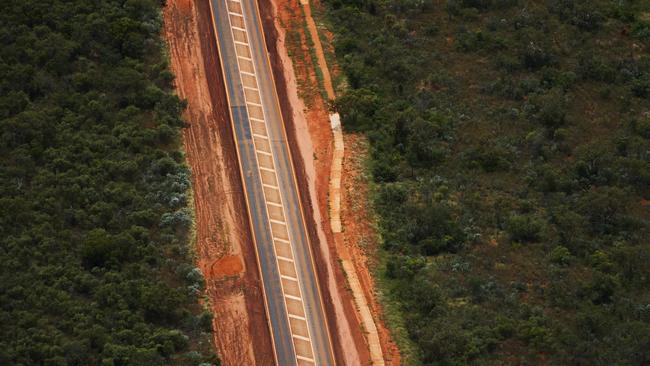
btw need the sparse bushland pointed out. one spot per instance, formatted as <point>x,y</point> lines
<point>95,267</point>
<point>510,148</point>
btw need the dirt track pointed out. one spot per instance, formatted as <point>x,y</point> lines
<point>224,246</point>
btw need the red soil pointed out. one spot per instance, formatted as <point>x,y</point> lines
<point>226,266</point>
<point>224,247</point>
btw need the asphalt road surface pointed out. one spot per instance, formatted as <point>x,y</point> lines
<point>292,296</point>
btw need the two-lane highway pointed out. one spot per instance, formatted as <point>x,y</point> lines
<point>292,295</point>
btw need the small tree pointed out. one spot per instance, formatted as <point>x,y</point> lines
<point>549,109</point>
<point>560,255</point>
<point>524,228</point>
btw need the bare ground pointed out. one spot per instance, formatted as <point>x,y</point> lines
<point>224,247</point>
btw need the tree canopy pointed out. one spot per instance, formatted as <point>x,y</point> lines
<point>509,152</point>
<point>95,267</point>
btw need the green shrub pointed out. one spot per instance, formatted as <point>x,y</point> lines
<point>601,261</point>
<point>587,19</point>
<point>642,126</point>
<point>641,29</point>
<point>549,109</point>
<point>536,54</point>
<point>490,157</point>
<point>524,228</point>
<point>357,108</point>
<point>596,68</point>
<point>560,255</point>
<point>641,87</point>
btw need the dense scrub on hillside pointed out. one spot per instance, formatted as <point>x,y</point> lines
<point>511,159</point>
<point>94,223</point>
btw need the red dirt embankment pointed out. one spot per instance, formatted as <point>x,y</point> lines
<point>224,247</point>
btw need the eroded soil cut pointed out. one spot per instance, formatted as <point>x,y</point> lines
<point>360,237</point>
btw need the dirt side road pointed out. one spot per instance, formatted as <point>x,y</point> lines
<point>224,246</point>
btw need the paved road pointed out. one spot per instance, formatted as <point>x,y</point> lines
<point>292,296</point>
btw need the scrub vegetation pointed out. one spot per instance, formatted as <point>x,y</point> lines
<point>510,153</point>
<point>95,226</point>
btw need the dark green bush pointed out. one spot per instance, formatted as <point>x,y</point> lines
<point>549,109</point>
<point>524,228</point>
<point>642,126</point>
<point>641,29</point>
<point>641,87</point>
